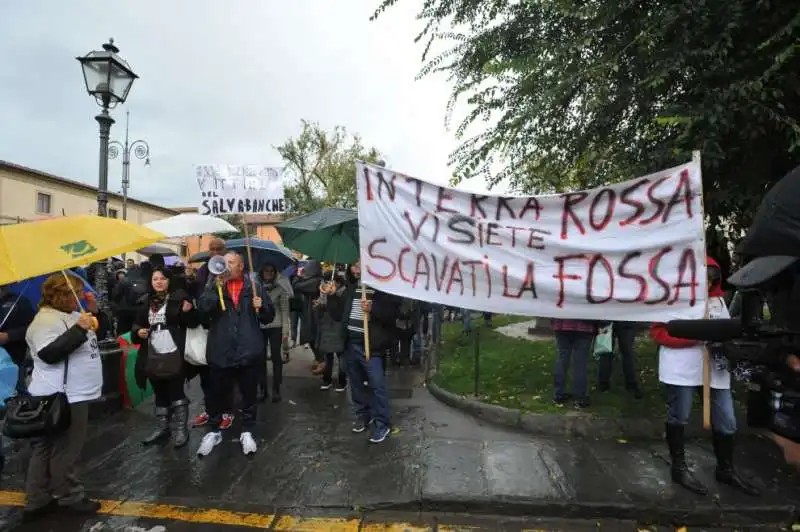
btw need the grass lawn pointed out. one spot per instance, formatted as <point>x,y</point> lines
<point>518,373</point>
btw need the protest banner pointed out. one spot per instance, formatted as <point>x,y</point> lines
<point>240,189</point>
<point>632,251</point>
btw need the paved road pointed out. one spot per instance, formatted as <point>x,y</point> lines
<point>442,466</point>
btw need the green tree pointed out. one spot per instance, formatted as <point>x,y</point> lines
<point>580,93</point>
<point>322,166</point>
<point>236,220</point>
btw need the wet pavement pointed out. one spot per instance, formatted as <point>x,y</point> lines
<point>440,465</point>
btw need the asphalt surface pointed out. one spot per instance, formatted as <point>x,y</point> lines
<point>441,468</point>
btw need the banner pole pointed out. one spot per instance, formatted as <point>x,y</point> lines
<point>696,158</point>
<point>249,254</point>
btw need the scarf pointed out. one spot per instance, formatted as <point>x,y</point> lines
<point>157,300</point>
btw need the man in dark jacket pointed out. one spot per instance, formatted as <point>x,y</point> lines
<point>370,403</point>
<point>235,347</point>
<point>16,314</point>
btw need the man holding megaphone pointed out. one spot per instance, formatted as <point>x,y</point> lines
<point>235,308</point>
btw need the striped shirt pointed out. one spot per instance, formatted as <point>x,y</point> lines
<point>355,322</point>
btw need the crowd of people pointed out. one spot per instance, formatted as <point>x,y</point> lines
<point>251,324</point>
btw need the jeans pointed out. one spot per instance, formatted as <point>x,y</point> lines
<point>370,403</point>
<point>679,407</point>
<point>625,335</point>
<point>573,348</point>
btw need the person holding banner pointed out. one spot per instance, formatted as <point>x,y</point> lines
<point>370,403</point>
<point>680,367</point>
<point>574,344</point>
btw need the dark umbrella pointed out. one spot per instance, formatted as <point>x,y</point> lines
<point>157,250</point>
<point>264,252</point>
<point>329,235</point>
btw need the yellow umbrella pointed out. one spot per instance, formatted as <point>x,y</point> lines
<point>35,248</point>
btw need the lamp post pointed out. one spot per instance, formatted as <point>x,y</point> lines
<point>139,148</point>
<point>109,79</point>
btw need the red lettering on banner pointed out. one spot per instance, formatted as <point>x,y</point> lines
<point>455,277</point>
<point>622,270</point>
<point>655,201</point>
<point>687,277</point>
<point>422,259</point>
<point>682,194</point>
<point>607,212</point>
<point>532,204</point>
<point>528,284</point>
<point>373,255</point>
<point>418,193</point>
<point>503,205</point>
<point>442,195</point>
<point>593,262</point>
<point>368,183</point>
<point>652,269</point>
<point>476,205</point>
<point>388,186</point>
<point>400,256</point>
<point>572,200</point>
<point>626,199</point>
<point>563,276</point>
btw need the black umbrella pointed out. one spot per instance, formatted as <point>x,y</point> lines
<point>773,240</point>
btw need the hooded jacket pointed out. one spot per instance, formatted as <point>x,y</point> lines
<point>16,314</point>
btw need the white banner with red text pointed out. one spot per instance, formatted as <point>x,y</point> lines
<point>632,251</point>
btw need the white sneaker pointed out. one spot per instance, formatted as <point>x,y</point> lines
<point>210,440</point>
<point>248,443</point>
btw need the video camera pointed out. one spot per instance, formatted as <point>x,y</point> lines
<point>767,330</point>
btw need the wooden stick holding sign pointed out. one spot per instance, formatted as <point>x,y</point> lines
<point>706,355</point>
<point>249,255</point>
<point>366,321</point>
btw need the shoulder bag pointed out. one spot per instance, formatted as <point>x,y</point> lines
<point>32,416</point>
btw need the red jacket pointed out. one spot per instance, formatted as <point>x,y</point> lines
<point>658,331</point>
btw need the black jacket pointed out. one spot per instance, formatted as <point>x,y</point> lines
<point>16,325</point>
<point>234,337</point>
<point>307,287</point>
<point>382,319</point>
<point>177,323</point>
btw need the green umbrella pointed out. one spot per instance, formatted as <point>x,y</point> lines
<point>329,235</point>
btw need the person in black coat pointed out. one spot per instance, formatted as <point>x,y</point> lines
<point>16,314</point>
<point>235,348</point>
<point>307,285</point>
<point>161,325</point>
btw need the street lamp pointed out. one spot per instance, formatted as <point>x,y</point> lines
<point>139,148</point>
<point>108,78</point>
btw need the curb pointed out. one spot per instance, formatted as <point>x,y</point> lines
<point>704,515</point>
<point>569,425</point>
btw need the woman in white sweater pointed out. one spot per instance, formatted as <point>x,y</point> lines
<point>66,358</point>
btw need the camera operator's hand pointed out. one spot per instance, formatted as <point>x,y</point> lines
<point>791,449</point>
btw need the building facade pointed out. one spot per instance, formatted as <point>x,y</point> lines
<point>27,194</point>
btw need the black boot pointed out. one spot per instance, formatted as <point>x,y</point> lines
<point>162,427</point>
<point>180,413</point>
<point>680,471</point>
<point>726,474</point>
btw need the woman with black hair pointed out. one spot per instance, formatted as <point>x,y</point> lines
<point>161,325</point>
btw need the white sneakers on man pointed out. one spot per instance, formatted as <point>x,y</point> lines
<point>210,440</point>
<point>248,443</point>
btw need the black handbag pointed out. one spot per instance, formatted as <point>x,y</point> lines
<point>38,416</point>
<point>162,365</point>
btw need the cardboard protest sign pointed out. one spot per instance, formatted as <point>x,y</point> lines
<point>239,189</point>
<point>631,251</point>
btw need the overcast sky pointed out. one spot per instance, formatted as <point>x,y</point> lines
<point>220,82</point>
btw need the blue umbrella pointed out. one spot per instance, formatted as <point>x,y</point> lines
<point>31,289</point>
<point>264,252</point>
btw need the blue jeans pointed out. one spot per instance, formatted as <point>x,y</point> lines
<point>573,348</point>
<point>370,403</point>
<point>679,407</point>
